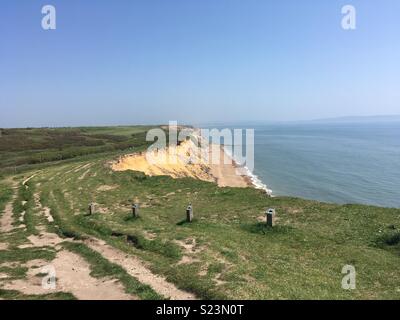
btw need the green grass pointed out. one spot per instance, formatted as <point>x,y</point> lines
<point>301,257</point>
<point>15,269</point>
<point>22,149</point>
<point>24,202</point>
<point>230,253</point>
<point>15,295</point>
<point>27,254</point>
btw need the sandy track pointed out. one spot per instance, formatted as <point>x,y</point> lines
<point>6,222</point>
<point>72,272</point>
<point>7,219</point>
<point>137,269</point>
<point>44,210</point>
<point>29,178</point>
<point>73,276</point>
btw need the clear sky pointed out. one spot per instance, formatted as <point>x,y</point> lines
<point>150,61</point>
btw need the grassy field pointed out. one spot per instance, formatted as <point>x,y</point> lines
<point>23,148</point>
<point>227,252</point>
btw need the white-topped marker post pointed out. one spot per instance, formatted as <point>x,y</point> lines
<point>189,213</point>
<point>270,217</point>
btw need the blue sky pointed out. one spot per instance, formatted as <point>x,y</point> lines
<point>150,61</point>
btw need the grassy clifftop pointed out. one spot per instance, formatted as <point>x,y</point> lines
<point>21,148</point>
<point>227,252</point>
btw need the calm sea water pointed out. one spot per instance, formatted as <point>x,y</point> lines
<point>332,162</point>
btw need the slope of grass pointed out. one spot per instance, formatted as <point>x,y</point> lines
<point>32,147</point>
<point>227,252</point>
<point>15,295</point>
<point>234,254</point>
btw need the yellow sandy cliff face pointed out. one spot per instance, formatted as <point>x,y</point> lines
<point>184,160</point>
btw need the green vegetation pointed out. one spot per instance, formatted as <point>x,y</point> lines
<point>227,252</point>
<point>24,255</point>
<point>24,203</point>
<point>15,295</point>
<point>232,254</point>
<point>20,149</point>
<point>15,268</point>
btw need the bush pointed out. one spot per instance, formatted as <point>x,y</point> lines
<point>389,238</point>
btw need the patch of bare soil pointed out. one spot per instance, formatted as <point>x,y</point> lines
<point>295,210</point>
<point>189,245</point>
<point>3,276</point>
<point>44,210</point>
<point>218,281</point>
<point>79,168</point>
<point>9,265</point>
<point>3,246</point>
<point>217,277</point>
<point>187,260</point>
<point>149,235</point>
<point>49,217</point>
<point>72,275</point>
<point>107,188</point>
<point>44,239</point>
<point>83,175</point>
<point>262,218</point>
<point>6,220</point>
<point>29,178</point>
<point>137,269</point>
<point>22,217</point>
<point>190,249</point>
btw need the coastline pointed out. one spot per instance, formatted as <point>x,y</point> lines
<point>252,179</point>
<point>189,162</point>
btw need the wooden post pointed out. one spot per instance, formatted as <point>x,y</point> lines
<point>135,210</point>
<point>91,208</point>
<point>189,213</point>
<point>270,217</point>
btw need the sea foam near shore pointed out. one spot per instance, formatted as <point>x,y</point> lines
<point>255,180</point>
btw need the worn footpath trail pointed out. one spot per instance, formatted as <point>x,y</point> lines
<point>73,272</point>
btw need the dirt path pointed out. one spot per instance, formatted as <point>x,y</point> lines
<point>43,210</point>
<point>72,272</point>
<point>6,222</point>
<point>7,219</point>
<point>29,178</point>
<point>137,269</point>
<point>73,276</point>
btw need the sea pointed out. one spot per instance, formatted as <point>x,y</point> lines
<point>337,162</point>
